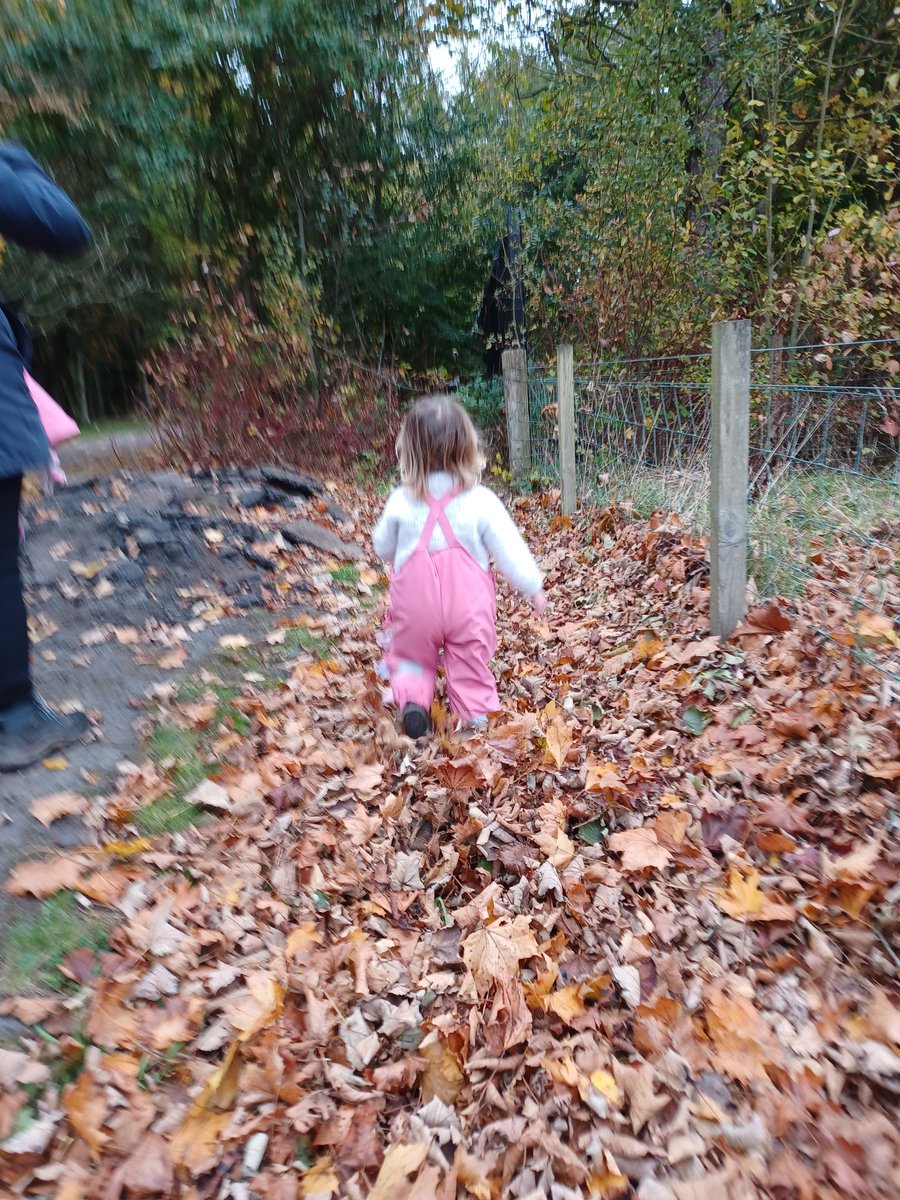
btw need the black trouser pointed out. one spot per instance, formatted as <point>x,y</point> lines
<point>15,678</point>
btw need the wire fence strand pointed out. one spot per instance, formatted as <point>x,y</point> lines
<point>824,467</point>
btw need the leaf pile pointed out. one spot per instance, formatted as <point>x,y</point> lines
<point>636,941</point>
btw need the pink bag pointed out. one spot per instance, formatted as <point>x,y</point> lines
<point>58,425</point>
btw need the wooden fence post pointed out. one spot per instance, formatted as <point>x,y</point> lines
<point>729,470</point>
<point>565,410</point>
<point>518,425</point>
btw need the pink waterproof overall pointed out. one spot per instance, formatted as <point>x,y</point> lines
<point>443,600</point>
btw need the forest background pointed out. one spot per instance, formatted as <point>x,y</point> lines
<point>296,212</point>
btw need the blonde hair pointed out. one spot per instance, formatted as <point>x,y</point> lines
<point>438,435</point>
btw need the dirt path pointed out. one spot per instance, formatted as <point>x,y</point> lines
<point>106,450</point>
<point>137,584</point>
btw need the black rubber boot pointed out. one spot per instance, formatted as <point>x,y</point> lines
<point>416,721</point>
<point>42,732</point>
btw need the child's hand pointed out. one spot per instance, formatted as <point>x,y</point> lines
<point>539,600</point>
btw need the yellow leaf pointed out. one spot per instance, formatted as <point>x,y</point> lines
<point>57,763</point>
<point>319,1181</point>
<point>129,849</point>
<point>399,1162</point>
<point>300,939</point>
<point>221,1088</point>
<point>605,1085</point>
<point>196,1144</point>
<point>603,777</point>
<point>563,1071</point>
<point>567,1003</point>
<point>743,898</point>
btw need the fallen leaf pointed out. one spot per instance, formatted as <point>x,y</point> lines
<point>744,1042</point>
<point>493,953</point>
<point>61,804</point>
<point>209,794</point>
<point>639,848</point>
<point>42,879</point>
<point>559,741</point>
<point>85,1106</point>
<point>743,898</point>
<point>400,1161</point>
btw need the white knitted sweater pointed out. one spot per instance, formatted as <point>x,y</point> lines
<point>477,517</point>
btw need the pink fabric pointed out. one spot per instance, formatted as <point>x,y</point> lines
<point>443,601</point>
<point>58,425</point>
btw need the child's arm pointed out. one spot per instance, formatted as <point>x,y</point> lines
<point>507,548</point>
<point>384,539</point>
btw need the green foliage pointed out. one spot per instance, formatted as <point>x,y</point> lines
<point>300,161</point>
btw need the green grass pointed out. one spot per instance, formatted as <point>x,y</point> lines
<point>35,943</point>
<point>346,576</point>
<point>181,752</point>
<point>300,638</point>
<point>113,426</point>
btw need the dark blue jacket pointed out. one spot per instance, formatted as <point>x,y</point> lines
<point>36,214</point>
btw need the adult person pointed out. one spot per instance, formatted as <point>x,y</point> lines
<point>38,215</point>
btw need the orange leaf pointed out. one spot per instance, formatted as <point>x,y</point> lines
<point>744,1041</point>
<point>85,1105</point>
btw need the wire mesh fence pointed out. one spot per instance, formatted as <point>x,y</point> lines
<point>824,477</point>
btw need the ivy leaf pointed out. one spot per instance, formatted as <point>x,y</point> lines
<point>696,720</point>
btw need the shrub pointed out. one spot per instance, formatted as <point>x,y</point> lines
<point>235,393</point>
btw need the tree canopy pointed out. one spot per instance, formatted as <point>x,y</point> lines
<point>670,162</point>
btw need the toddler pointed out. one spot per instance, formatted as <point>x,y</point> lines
<point>439,531</point>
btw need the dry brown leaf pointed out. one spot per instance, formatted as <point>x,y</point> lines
<point>639,848</point>
<point>148,1171</point>
<point>744,1042</point>
<point>559,741</point>
<point>399,1163</point>
<point>60,804</point>
<point>258,1006</point>
<point>85,1106</point>
<point>493,952</point>
<point>42,879</point>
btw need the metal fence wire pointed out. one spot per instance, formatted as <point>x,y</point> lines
<point>824,467</point>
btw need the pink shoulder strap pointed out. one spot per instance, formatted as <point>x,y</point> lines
<point>437,515</point>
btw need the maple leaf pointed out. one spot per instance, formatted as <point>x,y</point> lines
<point>743,898</point>
<point>400,1161</point>
<point>256,1007</point>
<point>61,804</point>
<point>86,1108</point>
<point>42,879</point>
<point>493,953</point>
<point>558,742</point>
<point>195,1146</point>
<point>148,1171</point>
<point>603,777</point>
<point>639,848</point>
<point>743,1040</point>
